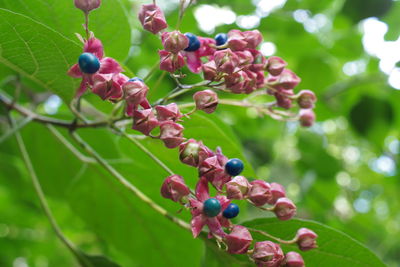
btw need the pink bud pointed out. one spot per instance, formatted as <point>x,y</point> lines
<point>239,240</point>
<point>275,65</point>
<point>174,188</point>
<point>87,5</point>
<point>144,121</point>
<point>236,82</point>
<point>286,80</point>
<point>305,239</point>
<point>282,99</point>
<point>169,112</point>
<point>206,100</point>
<point>171,134</point>
<point>226,61</point>
<point>237,188</point>
<point>174,41</point>
<point>209,70</point>
<point>307,117</point>
<point>170,62</point>
<point>259,61</point>
<point>306,99</point>
<point>294,259</point>
<point>105,86</point>
<point>193,152</point>
<point>135,93</point>
<point>152,18</point>
<point>251,84</point>
<point>284,209</point>
<point>236,40</point>
<point>253,38</point>
<point>260,192</point>
<point>277,192</point>
<point>245,57</point>
<point>267,254</point>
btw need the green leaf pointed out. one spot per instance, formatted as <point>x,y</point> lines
<point>38,53</point>
<point>100,261</point>
<point>109,22</point>
<point>334,248</point>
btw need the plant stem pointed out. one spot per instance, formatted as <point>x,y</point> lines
<point>15,129</point>
<point>287,242</point>
<point>127,184</point>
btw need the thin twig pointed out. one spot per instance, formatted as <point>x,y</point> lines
<point>39,191</point>
<point>287,242</point>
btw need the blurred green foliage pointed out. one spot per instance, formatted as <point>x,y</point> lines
<point>342,172</point>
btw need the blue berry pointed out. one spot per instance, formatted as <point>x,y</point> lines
<point>211,207</point>
<point>88,63</point>
<point>194,43</point>
<point>135,79</point>
<point>234,167</point>
<point>221,38</point>
<point>231,211</point>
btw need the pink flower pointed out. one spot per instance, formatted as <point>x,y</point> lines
<point>260,192</point>
<point>144,121</point>
<point>171,62</point>
<point>282,98</point>
<point>236,40</point>
<point>307,117</point>
<point>199,219</point>
<point>87,5</point>
<point>174,188</point>
<point>174,42</point>
<point>284,209</point>
<point>193,59</point>
<point>107,65</point>
<point>206,100</point>
<point>237,188</point>
<point>294,259</point>
<point>253,38</point>
<point>171,134</point>
<point>252,82</point>
<point>236,82</point>
<point>212,168</point>
<point>305,239</point>
<point>209,70</point>
<point>135,94</point>
<point>245,57</point>
<point>193,152</point>
<point>277,192</point>
<point>275,65</point>
<point>239,240</point>
<point>267,254</point>
<point>108,86</point>
<point>152,18</point>
<point>306,99</point>
<point>169,112</point>
<point>286,80</point>
<point>226,61</point>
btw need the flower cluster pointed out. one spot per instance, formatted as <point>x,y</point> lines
<point>230,62</point>
<point>216,212</point>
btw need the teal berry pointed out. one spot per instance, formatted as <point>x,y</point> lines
<point>221,38</point>
<point>211,207</point>
<point>234,167</point>
<point>135,79</point>
<point>88,63</point>
<point>231,211</point>
<point>194,43</point>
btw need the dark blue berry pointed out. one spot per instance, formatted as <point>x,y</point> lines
<point>221,38</point>
<point>234,167</point>
<point>231,211</point>
<point>194,43</point>
<point>135,79</point>
<point>88,63</point>
<point>211,207</point>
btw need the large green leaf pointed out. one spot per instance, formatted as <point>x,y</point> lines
<point>37,52</point>
<point>109,22</point>
<point>334,248</point>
